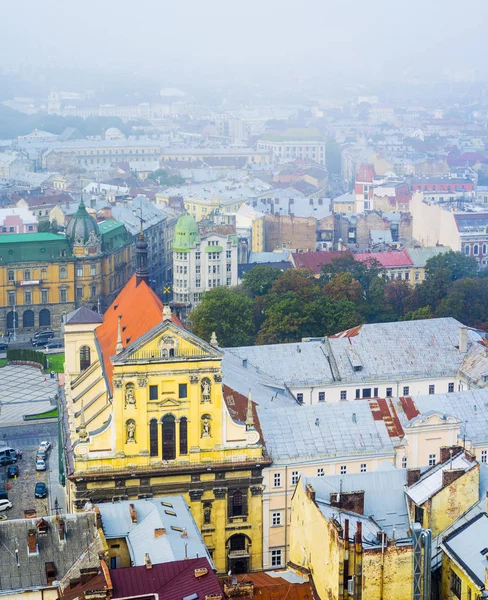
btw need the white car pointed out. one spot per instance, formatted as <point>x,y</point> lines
<point>45,446</point>
<point>5,504</point>
<point>40,465</point>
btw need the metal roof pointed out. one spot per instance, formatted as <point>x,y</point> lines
<point>384,497</point>
<point>295,433</point>
<point>399,350</point>
<point>431,483</point>
<point>153,514</point>
<point>468,545</point>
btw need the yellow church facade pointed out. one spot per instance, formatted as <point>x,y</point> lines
<point>145,416</point>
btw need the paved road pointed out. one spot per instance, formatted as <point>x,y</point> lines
<point>21,492</point>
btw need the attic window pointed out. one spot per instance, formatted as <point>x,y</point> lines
<point>167,504</point>
<point>484,551</point>
<point>116,306</point>
<point>171,513</point>
<point>174,528</point>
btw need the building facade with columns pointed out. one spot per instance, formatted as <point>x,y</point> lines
<point>145,415</point>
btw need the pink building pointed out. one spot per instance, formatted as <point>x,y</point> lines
<point>17,220</point>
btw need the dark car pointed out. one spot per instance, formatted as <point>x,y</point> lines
<point>3,346</point>
<point>41,490</point>
<point>55,345</point>
<point>6,460</point>
<point>40,341</point>
<point>41,454</point>
<point>45,333</point>
<point>12,471</point>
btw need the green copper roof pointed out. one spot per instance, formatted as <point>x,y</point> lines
<point>81,225</point>
<point>25,247</point>
<point>114,235</point>
<point>186,234</point>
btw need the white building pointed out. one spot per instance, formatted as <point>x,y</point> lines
<point>292,144</point>
<point>200,263</point>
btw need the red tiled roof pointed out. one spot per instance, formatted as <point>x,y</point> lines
<point>267,587</point>
<point>141,310</point>
<point>386,259</point>
<point>237,405</point>
<point>315,260</point>
<point>409,407</point>
<point>365,173</point>
<point>171,581</point>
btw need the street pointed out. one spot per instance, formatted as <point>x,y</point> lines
<point>21,493</point>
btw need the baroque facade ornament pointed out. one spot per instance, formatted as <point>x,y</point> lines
<point>118,383</point>
<point>131,431</point>
<point>142,382</point>
<point>193,379</point>
<point>218,377</point>
<point>220,493</point>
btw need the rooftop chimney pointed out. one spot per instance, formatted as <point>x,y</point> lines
<point>448,452</point>
<point>413,475</point>
<point>159,532</point>
<point>50,569</point>
<point>133,513</point>
<point>61,530</point>
<point>353,501</point>
<point>463,339</point>
<point>147,561</point>
<point>32,542</point>
<point>87,574</point>
<point>450,475</point>
<point>310,492</point>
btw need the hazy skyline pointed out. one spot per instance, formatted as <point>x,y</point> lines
<point>342,40</point>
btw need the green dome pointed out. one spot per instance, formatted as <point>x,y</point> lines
<point>81,225</point>
<point>186,234</point>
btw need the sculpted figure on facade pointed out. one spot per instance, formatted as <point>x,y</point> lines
<point>206,388</point>
<point>130,397</point>
<point>131,431</point>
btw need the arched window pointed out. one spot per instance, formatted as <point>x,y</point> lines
<point>11,275</point>
<point>27,275</point>
<point>475,249</point>
<point>28,319</point>
<point>183,435</point>
<point>44,318</point>
<point>484,248</point>
<point>153,438</point>
<point>44,274</point>
<point>237,505</point>
<point>169,438</point>
<point>12,317</point>
<point>63,273</point>
<point>467,249</point>
<point>85,360</point>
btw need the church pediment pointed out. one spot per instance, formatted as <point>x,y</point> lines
<point>168,342</point>
<point>168,402</point>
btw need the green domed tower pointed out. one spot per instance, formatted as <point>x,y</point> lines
<point>82,231</point>
<point>186,234</point>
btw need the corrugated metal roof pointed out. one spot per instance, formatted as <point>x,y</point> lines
<point>322,431</point>
<point>384,498</point>
<point>420,256</point>
<point>387,260</point>
<point>430,483</point>
<point>171,581</point>
<point>151,515</point>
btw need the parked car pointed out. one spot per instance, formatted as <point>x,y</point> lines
<point>54,345</point>
<point>40,465</point>
<point>41,490</point>
<point>41,454</point>
<point>5,505</point>
<point>7,460</point>
<point>40,341</point>
<point>12,471</point>
<point>45,333</point>
<point>3,346</point>
<point>45,445</point>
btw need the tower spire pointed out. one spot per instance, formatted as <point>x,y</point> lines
<point>249,415</point>
<point>142,272</point>
<point>119,346</point>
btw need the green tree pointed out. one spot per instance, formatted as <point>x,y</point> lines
<point>454,265</point>
<point>332,316</point>
<point>421,313</point>
<point>162,177</point>
<point>344,287</point>
<point>466,301</point>
<point>300,281</point>
<point>397,294</point>
<point>229,313</point>
<point>287,319</point>
<point>44,226</point>
<point>259,280</point>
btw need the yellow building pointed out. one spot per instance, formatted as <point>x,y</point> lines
<point>352,535</point>
<point>146,417</point>
<point>44,276</point>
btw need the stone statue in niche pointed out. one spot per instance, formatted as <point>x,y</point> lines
<point>130,397</point>
<point>205,426</point>
<point>206,390</point>
<point>207,513</point>
<point>131,431</point>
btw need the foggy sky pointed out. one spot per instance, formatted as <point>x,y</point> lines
<point>341,38</point>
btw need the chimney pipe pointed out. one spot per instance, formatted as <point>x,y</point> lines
<point>463,339</point>
<point>147,561</point>
<point>133,513</point>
